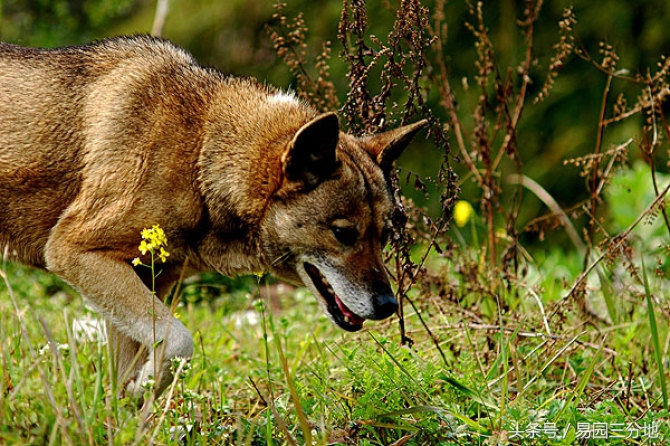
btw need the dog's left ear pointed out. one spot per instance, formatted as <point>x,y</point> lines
<point>387,147</point>
<point>310,157</point>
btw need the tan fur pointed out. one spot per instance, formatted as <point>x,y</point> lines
<point>100,141</point>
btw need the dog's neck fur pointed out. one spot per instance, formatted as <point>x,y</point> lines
<point>240,165</point>
<point>247,150</point>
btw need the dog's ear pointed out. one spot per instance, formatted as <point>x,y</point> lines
<point>310,157</point>
<point>387,147</point>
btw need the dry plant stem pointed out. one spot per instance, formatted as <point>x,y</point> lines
<point>532,14</point>
<point>278,418</point>
<point>433,337</point>
<point>659,96</point>
<point>437,230</point>
<point>564,48</point>
<point>653,145</point>
<point>621,237</point>
<point>162,8</point>
<point>447,100</point>
<point>509,146</point>
<point>449,105</point>
<point>58,363</point>
<point>555,208</point>
<point>538,300</point>
<point>495,328</point>
<point>551,361</point>
<point>637,109</point>
<point>509,143</point>
<point>525,334</point>
<point>595,177</point>
<point>509,111</point>
<point>615,153</point>
<point>655,97</point>
<point>167,403</point>
<point>485,66</point>
<point>359,99</point>
<point>289,43</point>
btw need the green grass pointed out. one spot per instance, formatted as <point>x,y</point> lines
<point>487,375</point>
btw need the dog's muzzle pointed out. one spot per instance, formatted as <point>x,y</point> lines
<point>384,303</point>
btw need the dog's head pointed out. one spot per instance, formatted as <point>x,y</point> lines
<point>329,221</point>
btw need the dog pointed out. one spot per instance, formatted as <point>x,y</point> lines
<point>100,141</point>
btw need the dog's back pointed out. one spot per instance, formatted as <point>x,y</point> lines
<point>62,108</point>
<point>40,175</point>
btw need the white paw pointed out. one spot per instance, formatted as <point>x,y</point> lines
<point>150,378</point>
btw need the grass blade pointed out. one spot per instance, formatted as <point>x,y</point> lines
<point>471,393</point>
<point>658,354</point>
<point>583,380</point>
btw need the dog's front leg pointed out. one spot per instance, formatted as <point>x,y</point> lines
<point>112,286</point>
<point>126,355</point>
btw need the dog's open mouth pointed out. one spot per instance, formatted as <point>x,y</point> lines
<point>343,316</point>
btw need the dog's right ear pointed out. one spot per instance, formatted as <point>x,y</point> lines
<point>310,157</point>
<point>386,147</point>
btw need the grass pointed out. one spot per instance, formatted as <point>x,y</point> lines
<point>262,375</point>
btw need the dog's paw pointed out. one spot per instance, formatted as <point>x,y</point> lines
<point>150,378</point>
<point>132,389</point>
<point>145,380</point>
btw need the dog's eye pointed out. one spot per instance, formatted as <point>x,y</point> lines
<point>345,235</point>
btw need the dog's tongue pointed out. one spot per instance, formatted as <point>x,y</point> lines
<point>348,315</point>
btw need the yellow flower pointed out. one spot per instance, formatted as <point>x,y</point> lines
<point>163,254</point>
<point>463,212</point>
<point>144,247</point>
<point>153,240</point>
<point>137,261</point>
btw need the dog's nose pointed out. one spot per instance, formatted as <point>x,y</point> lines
<point>385,305</point>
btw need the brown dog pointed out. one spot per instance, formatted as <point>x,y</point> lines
<point>100,141</point>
